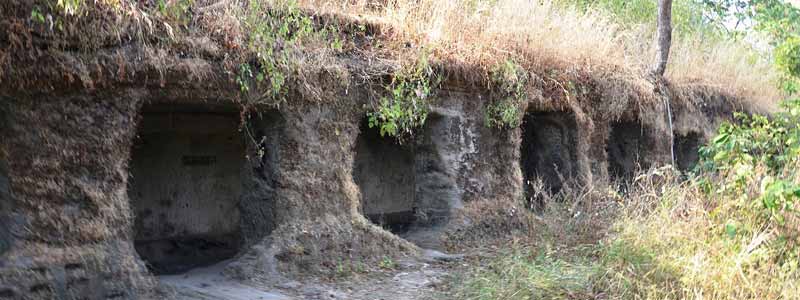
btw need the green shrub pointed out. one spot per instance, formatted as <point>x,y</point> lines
<point>406,107</point>
<point>37,16</point>
<point>278,36</point>
<point>508,82</point>
<point>71,8</point>
<point>274,32</point>
<point>754,142</point>
<point>728,233</point>
<point>787,56</point>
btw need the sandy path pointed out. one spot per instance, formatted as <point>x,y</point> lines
<point>413,279</point>
<point>209,283</point>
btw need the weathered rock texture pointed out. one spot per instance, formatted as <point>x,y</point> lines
<point>87,176</point>
<point>285,186</point>
<point>67,208</point>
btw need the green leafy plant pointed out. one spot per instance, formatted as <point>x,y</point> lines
<point>245,72</point>
<point>348,268</point>
<point>779,196</point>
<point>787,58</point>
<point>274,33</point>
<point>387,263</point>
<point>503,114</point>
<point>37,15</point>
<point>754,142</point>
<point>508,81</point>
<point>406,107</point>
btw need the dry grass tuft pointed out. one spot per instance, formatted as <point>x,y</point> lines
<point>543,36</point>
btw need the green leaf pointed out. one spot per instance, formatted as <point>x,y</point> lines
<point>721,138</point>
<point>730,230</point>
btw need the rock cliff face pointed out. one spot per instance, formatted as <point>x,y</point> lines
<point>66,205</point>
<point>128,161</point>
<point>95,185</point>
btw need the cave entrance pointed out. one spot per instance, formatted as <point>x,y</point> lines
<point>627,149</point>
<point>384,171</point>
<point>185,185</point>
<point>548,151</point>
<point>687,149</point>
<point>412,188</point>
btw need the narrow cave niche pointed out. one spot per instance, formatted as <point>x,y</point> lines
<point>185,185</point>
<point>627,150</point>
<point>686,150</point>
<point>384,171</point>
<point>548,151</point>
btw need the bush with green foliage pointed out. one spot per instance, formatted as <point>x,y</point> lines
<point>406,107</point>
<point>755,142</point>
<point>273,33</point>
<point>777,20</point>
<point>508,82</point>
<point>787,57</point>
<point>728,232</point>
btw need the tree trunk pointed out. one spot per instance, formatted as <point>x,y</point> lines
<point>663,37</point>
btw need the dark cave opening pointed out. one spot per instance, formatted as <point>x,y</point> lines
<point>627,150</point>
<point>412,187</point>
<point>548,151</point>
<point>384,171</point>
<point>686,150</point>
<point>186,181</point>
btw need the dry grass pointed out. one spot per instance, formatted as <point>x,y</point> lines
<point>728,66</point>
<point>679,247</point>
<point>541,36</point>
<point>728,231</point>
<point>669,239</point>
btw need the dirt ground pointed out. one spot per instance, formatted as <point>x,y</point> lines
<point>407,279</point>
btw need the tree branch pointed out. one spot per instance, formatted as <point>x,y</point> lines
<point>663,37</point>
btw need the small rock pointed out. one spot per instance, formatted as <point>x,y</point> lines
<point>433,255</point>
<point>289,285</point>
